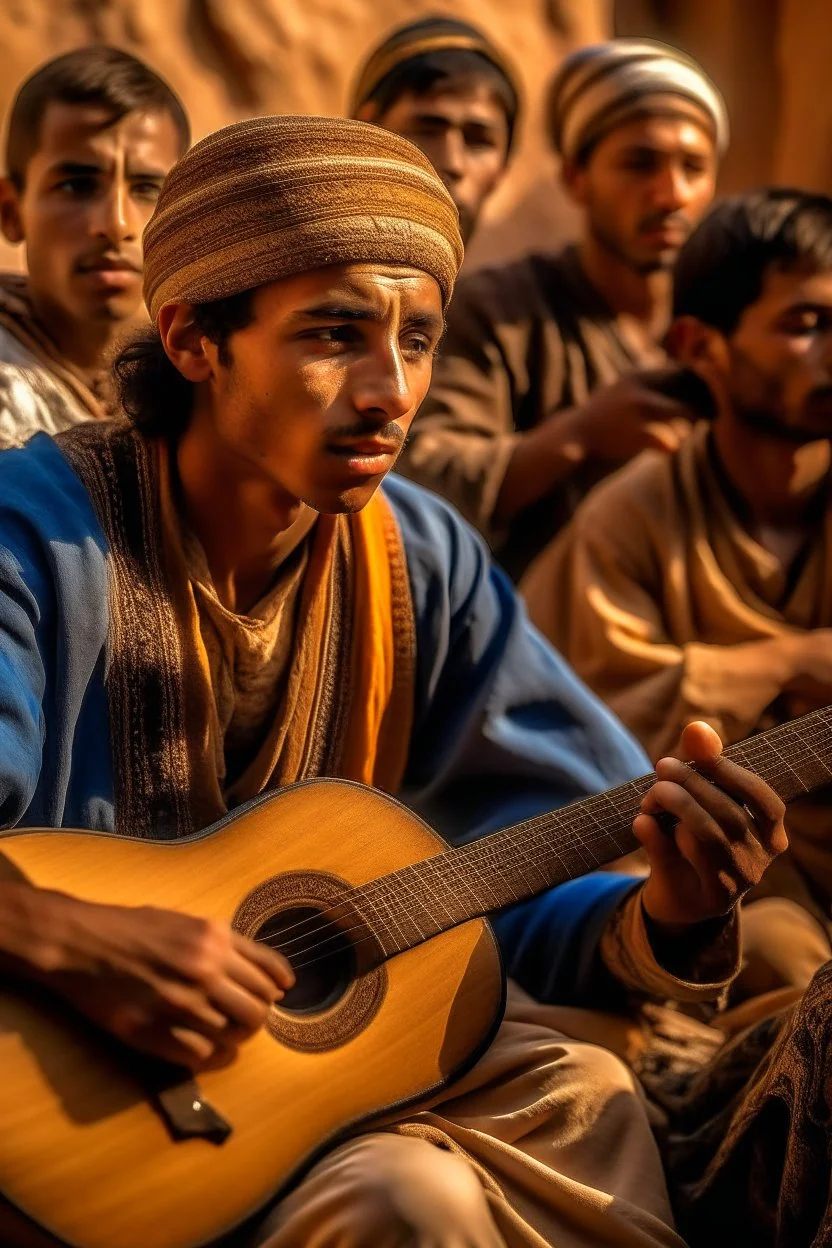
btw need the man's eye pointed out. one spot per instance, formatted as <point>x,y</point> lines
<point>802,323</point>
<point>641,164</point>
<point>147,189</point>
<point>481,142</point>
<point>334,333</point>
<point>417,344</point>
<point>81,187</point>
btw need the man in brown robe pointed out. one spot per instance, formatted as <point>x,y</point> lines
<point>509,432</point>
<point>91,136</point>
<point>702,581</point>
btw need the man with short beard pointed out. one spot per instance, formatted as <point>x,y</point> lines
<point>521,418</point>
<point>91,136</point>
<point>703,579</point>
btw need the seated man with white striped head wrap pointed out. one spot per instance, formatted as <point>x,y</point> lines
<point>225,596</point>
<point>639,129</point>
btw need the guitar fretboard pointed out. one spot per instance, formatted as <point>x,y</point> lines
<point>419,901</point>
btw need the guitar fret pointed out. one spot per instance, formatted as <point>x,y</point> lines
<point>534,855</point>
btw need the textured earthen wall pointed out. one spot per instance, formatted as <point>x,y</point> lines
<point>232,58</point>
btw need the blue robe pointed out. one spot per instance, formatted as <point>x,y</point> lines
<point>503,729</point>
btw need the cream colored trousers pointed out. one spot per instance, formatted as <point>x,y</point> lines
<point>545,1142</point>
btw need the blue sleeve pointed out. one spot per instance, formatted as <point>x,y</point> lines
<point>53,620</point>
<point>504,730</point>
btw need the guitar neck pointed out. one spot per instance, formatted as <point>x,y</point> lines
<point>521,861</point>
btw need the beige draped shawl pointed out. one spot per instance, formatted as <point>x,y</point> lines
<point>651,594</point>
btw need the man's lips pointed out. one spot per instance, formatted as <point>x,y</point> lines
<point>364,446</point>
<point>108,264</point>
<point>669,235</point>
<point>364,457</point>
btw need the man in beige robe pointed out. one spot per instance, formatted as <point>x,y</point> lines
<point>91,136</point>
<point>701,583</point>
<point>523,416</point>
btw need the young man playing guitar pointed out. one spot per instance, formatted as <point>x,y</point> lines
<point>219,600</point>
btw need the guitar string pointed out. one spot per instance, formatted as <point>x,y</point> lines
<point>396,889</point>
<point>587,805</point>
<point>570,844</point>
<point>567,845</point>
<point>384,927</point>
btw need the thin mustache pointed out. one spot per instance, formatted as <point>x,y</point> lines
<point>91,262</point>
<point>388,433</point>
<point>663,218</point>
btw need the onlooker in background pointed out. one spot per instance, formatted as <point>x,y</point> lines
<point>443,85</point>
<point>702,581</point>
<point>90,139</point>
<point>509,432</point>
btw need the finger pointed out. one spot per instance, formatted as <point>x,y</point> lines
<point>731,816</point>
<point>723,871</point>
<point>694,820</point>
<point>179,1045</point>
<point>661,437</point>
<point>249,976</point>
<point>240,1008</point>
<point>275,965</point>
<point>662,850</point>
<point>748,790</point>
<point>700,743</point>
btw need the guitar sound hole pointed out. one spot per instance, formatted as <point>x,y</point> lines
<point>322,956</point>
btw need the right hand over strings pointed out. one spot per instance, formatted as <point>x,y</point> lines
<point>184,989</point>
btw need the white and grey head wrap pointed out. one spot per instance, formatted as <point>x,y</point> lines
<point>599,87</point>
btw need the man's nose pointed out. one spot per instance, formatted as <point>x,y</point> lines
<point>450,158</point>
<point>116,218</point>
<point>671,189</point>
<point>384,392</point>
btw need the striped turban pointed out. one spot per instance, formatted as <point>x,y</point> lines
<point>272,197</point>
<point>599,87</point>
<point>425,38</point>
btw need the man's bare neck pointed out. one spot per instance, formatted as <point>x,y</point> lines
<point>640,299</point>
<point>86,346</point>
<point>241,522</point>
<point>776,483</point>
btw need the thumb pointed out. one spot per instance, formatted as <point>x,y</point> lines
<point>700,744</point>
<point>661,437</point>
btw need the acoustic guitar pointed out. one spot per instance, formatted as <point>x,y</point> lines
<point>399,990</point>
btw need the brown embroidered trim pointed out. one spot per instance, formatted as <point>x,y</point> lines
<point>144,680</point>
<point>404,641</point>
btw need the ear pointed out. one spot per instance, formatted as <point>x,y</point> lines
<point>692,343</point>
<point>11,222</point>
<point>368,111</point>
<point>574,181</point>
<point>185,345</point>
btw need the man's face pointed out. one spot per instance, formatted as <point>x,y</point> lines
<point>644,187</point>
<point>90,189</point>
<point>323,385</point>
<point>778,370</point>
<point>463,131</point>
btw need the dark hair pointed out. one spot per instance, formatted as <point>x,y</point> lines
<point>151,390</point>
<point>422,74</point>
<point>98,75</point>
<point>721,268</point>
